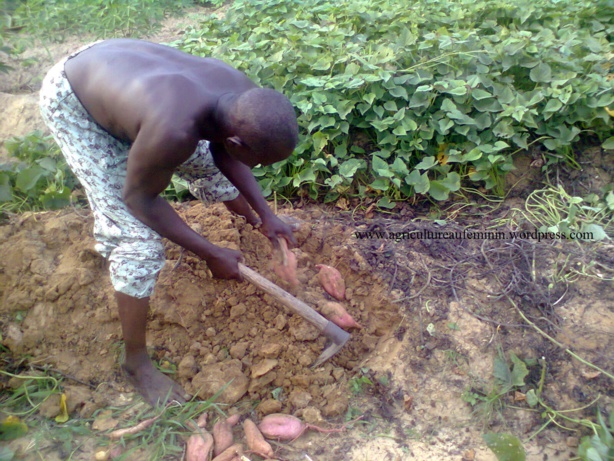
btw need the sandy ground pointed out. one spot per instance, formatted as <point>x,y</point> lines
<point>432,315</point>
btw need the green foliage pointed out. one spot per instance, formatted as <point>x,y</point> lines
<point>54,19</point>
<point>6,9</point>
<point>554,210</point>
<point>505,446</point>
<point>38,178</point>
<point>442,91</point>
<point>214,3</point>
<point>358,384</point>
<point>599,446</point>
<point>507,377</point>
<point>177,190</point>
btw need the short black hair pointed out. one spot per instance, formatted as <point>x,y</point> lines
<point>265,121</point>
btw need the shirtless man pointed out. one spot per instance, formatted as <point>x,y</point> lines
<point>128,114</point>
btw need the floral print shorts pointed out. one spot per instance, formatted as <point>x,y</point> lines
<point>134,251</point>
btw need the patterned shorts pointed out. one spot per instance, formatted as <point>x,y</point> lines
<point>134,251</point>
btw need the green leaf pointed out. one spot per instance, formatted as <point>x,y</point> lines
<point>479,94</point>
<point>55,200</point>
<point>399,131</point>
<point>399,92</point>
<point>420,182</point>
<point>459,90</point>
<point>382,184</point>
<point>6,192</point>
<point>314,81</point>
<point>502,374</point>
<point>333,181</point>
<point>597,232</point>
<point>542,73</point>
<point>348,168</point>
<point>506,447</point>
<point>452,181</point>
<point>439,190</point>
<point>27,179</point>
<point>400,167</point>
<point>369,97</point>
<point>305,176</point>
<point>426,163</point>
<point>385,202</point>
<point>608,143</point>
<point>519,371</point>
<point>472,155</point>
<point>532,398</point>
<point>6,454</point>
<point>381,167</point>
<point>553,106</point>
<point>319,141</point>
<point>391,106</point>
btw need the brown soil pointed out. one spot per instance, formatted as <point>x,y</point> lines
<point>432,313</point>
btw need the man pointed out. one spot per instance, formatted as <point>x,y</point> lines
<point>128,114</point>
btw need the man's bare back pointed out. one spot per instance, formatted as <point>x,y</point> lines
<point>125,84</point>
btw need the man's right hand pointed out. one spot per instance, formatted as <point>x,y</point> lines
<point>224,263</point>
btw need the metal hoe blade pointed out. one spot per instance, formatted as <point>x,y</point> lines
<point>337,338</point>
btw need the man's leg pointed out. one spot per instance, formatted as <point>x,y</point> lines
<point>154,386</point>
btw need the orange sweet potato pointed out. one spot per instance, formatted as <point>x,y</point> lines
<point>285,263</point>
<point>233,452</point>
<point>255,440</point>
<point>222,434</point>
<point>279,426</point>
<point>332,281</point>
<point>199,447</point>
<point>337,314</point>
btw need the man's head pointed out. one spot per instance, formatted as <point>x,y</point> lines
<point>263,126</point>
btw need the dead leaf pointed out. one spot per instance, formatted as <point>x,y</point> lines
<point>590,374</point>
<point>104,421</point>
<point>408,402</point>
<point>342,204</point>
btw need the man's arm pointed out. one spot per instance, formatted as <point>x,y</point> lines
<point>151,163</point>
<point>240,175</point>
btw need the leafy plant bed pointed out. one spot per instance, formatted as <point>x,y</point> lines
<point>399,98</point>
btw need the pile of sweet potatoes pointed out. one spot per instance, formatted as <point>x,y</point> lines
<point>201,446</point>
<point>285,265</point>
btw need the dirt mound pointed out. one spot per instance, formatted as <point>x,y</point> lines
<point>206,327</point>
<point>420,371</point>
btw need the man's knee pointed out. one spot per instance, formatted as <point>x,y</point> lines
<point>135,267</point>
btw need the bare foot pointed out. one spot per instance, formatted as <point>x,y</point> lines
<point>154,386</point>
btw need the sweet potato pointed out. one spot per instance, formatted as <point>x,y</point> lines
<point>118,434</point>
<point>337,314</point>
<point>282,427</point>
<point>332,281</point>
<point>202,421</point>
<point>279,426</point>
<point>285,263</point>
<point>255,440</point>
<point>222,434</point>
<point>233,452</point>
<point>233,419</point>
<point>199,447</point>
